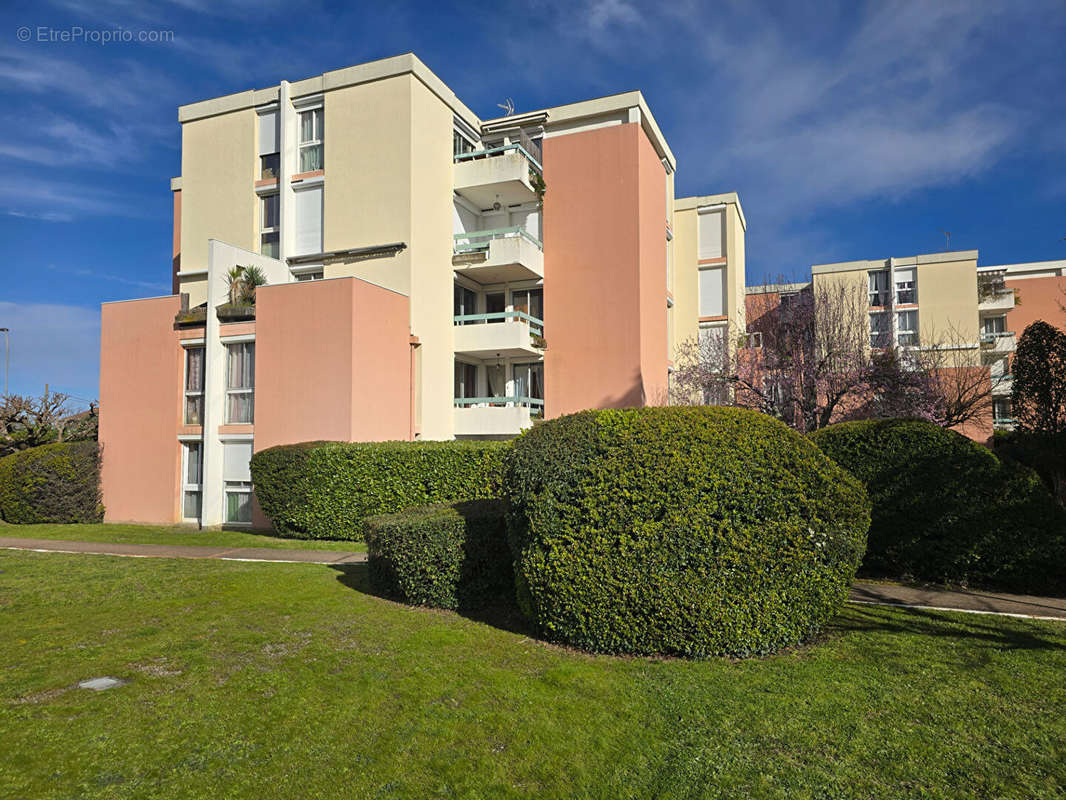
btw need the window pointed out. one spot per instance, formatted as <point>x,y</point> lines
<point>906,286</point>
<point>465,380</point>
<point>464,303</point>
<point>268,223</point>
<point>194,386</point>
<point>712,292</point>
<point>712,346</point>
<point>531,301</point>
<point>710,234</point>
<point>311,140</point>
<point>269,166</point>
<point>316,275</point>
<point>787,298</point>
<point>308,239</point>
<point>529,381</point>
<point>994,325</point>
<point>460,144</point>
<point>240,383</point>
<point>907,328</point>
<point>1001,409</point>
<point>237,481</point>
<point>192,470</point>
<point>495,303</point>
<point>753,340</point>
<point>878,288</point>
<point>880,330</point>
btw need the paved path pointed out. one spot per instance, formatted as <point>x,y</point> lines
<point>874,593</point>
<point>184,551</point>
<point>973,601</point>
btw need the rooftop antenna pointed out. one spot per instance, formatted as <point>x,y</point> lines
<point>947,240</point>
<point>507,106</point>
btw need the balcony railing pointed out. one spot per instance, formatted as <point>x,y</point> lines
<point>529,402</point>
<point>536,326</point>
<point>1004,422</point>
<point>990,337</point>
<point>495,151</point>
<point>472,241</point>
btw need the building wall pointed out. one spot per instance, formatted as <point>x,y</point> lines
<point>592,297</point>
<point>218,170</point>
<point>141,372</point>
<point>651,272</point>
<point>947,300</point>
<point>1037,299</point>
<point>686,279</point>
<point>332,363</point>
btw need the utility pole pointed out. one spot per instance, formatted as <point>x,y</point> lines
<point>7,356</point>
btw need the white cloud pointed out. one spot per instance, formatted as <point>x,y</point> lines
<point>62,201</point>
<point>54,344</point>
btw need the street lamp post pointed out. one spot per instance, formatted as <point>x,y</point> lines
<point>7,356</point>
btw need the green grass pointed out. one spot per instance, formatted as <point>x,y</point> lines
<point>291,681</point>
<point>170,534</point>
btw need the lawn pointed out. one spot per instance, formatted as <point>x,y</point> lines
<point>169,534</point>
<point>254,680</point>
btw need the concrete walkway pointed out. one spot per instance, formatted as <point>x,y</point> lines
<point>970,600</point>
<point>890,594</point>
<point>184,551</point>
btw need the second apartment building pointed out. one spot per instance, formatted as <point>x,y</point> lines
<point>429,275</point>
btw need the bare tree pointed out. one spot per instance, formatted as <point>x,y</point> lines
<point>810,357</point>
<point>32,421</point>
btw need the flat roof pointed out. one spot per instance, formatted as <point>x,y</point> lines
<point>905,261</point>
<point>688,203</point>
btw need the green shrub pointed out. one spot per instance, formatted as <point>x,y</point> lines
<point>324,490</point>
<point>53,483</point>
<point>448,556</point>
<point>690,531</point>
<point>945,509</point>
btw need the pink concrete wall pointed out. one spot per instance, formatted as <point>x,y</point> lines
<point>1037,298</point>
<point>332,362</point>
<point>596,293</point>
<point>140,410</point>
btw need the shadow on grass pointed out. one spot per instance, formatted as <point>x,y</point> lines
<point>502,615</point>
<point>1009,632</point>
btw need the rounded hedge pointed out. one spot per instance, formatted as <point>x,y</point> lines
<point>685,530</point>
<point>57,482</point>
<point>946,509</point>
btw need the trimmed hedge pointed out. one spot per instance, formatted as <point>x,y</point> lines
<point>57,482</point>
<point>684,530</point>
<point>325,490</point>
<point>946,509</point>
<point>448,556</point>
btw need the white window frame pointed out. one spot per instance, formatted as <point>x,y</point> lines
<point>878,298</point>
<point>988,322</point>
<point>310,275</point>
<point>189,488</point>
<point>264,230</point>
<point>753,340</point>
<point>886,335</point>
<point>236,487</point>
<point>186,393</point>
<point>318,122</point>
<point>909,332</point>
<point>906,286</point>
<point>244,390</point>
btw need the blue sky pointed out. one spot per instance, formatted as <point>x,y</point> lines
<point>851,130</point>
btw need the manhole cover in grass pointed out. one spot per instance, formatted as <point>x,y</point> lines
<point>99,684</point>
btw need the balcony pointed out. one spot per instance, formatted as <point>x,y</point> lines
<point>508,334</point>
<point>997,342</point>
<point>498,256</point>
<point>995,299</point>
<point>1002,385</point>
<point>495,416</point>
<point>1004,423</point>
<point>503,175</point>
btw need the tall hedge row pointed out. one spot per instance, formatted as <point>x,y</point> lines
<point>689,531</point>
<point>325,490</point>
<point>53,483</point>
<point>946,509</point>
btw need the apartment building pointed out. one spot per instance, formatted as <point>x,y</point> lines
<point>943,301</point>
<point>428,275</point>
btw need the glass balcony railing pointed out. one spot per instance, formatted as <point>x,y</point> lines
<point>472,241</point>
<point>536,326</point>
<point>990,337</point>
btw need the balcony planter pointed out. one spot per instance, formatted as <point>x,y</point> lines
<point>229,312</point>
<point>191,316</point>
